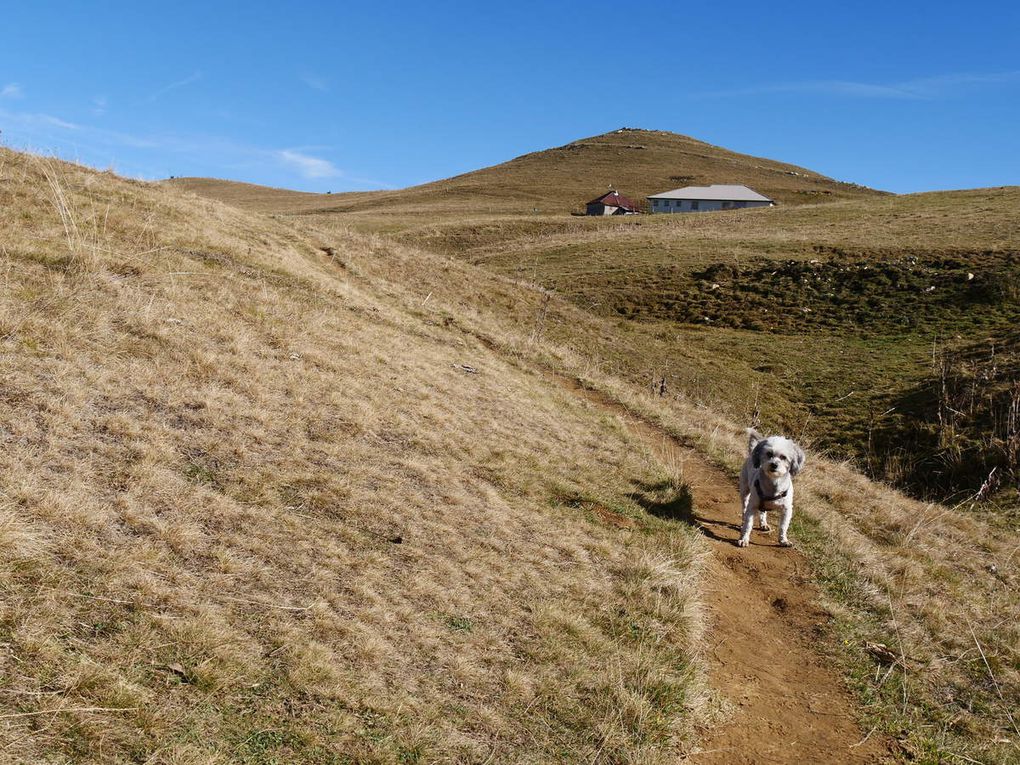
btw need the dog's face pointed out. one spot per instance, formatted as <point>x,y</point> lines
<point>778,457</point>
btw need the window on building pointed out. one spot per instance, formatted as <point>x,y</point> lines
<point>740,204</point>
<point>694,204</point>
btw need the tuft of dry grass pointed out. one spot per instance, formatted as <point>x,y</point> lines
<point>84,226</point>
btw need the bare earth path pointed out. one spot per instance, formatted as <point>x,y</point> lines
<point>788,706</point>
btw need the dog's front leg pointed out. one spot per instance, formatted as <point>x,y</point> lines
<point>763,520</point>
<point>745,529</point>
<point>784,525</point>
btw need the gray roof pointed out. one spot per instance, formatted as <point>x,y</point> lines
<point>717,191</point>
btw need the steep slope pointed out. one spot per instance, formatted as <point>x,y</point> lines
<point>561,180</point>
<point>255,509</point>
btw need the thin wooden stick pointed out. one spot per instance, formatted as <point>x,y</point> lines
<point>963,757</point>
<point>854,746</point>
<point>899,640</point>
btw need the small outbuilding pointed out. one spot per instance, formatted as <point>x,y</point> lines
<point>612,203</point>
<point>718,196</point>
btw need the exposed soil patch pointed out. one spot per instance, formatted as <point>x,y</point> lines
<point>612,518</point>
<point>788,706</point>
<point>865,293</point>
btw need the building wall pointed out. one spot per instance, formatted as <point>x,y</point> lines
<point>601,209</point>
<point>704,205</point>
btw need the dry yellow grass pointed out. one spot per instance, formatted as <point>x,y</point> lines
<point>255,509</point>
<point>575,254</point>
<point>852,299</point>
<point>215,430</point>
<point>938,584</point>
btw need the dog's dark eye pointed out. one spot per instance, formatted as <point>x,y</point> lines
<point>782,457</point>
<point>771,455</point>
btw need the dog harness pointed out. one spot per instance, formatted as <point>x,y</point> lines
<point>765,499</point>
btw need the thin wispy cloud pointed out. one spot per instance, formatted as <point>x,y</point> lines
<point>948,82</point>
<point>921,89</point>
<point>315,82</point>
<point>11,90</point>
<point>35,121</point>
<point>189,80</point>
<point>308,166</point>
<point>57,122</point>
<point>47,133</point>
<point>99,104</point>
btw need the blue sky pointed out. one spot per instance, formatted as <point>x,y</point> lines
<point>328,96</point>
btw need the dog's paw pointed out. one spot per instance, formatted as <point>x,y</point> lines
<point>765,528</point>
<point>743,542</point>
<point>785,543</point>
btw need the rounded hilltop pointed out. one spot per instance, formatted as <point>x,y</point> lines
<point>635,161</point>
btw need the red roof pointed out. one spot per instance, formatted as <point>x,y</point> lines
<point>615,199</point>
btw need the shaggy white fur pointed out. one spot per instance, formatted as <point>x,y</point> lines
<point>766,483</point>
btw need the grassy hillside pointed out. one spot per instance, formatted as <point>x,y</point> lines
<point>935,582</point>
<point>255,509</point>
<point>561,180</point>
<point>250,196</point>
<point>294,490</point>
<point>821,319</point>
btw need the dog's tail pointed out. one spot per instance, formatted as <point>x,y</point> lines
<point>753,437</point>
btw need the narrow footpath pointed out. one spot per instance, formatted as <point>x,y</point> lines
<point>787,704</point>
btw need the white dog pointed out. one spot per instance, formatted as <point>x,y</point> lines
<point>766,483</point>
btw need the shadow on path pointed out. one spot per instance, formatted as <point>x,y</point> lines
<point>664,500</point>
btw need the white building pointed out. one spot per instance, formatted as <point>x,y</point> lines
<point>705,198</point>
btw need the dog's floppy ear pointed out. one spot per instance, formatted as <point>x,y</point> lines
<point>758,453</point>
<point>799,458</point>
<point>753,437</point>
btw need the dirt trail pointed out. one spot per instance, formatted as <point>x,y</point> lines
<point>788,706</point>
